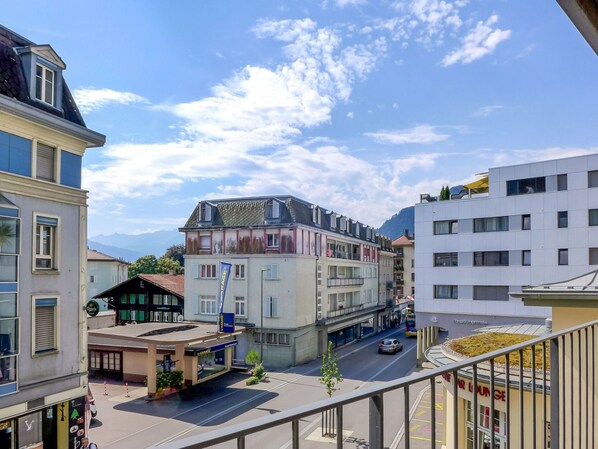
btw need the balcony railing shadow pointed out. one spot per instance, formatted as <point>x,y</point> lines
<point>550,404</point>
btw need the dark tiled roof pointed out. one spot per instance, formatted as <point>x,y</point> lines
<point>14,85</point>
<point>247,212</point>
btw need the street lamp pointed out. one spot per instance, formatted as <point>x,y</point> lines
<point>262,316</point>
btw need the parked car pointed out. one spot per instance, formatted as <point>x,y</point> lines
<point>390,345</point>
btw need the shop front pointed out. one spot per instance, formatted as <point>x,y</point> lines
<point>59,426</point>
<point>211,361</point>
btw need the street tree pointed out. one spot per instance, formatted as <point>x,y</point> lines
<point>143,265</point>
<point>176,252</point>
<point>166,265</point>
<point>330,378</point>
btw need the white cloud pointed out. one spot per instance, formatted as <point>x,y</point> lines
<point>90,99</point>
<point>479,42</point>
<point>485,111</point>
<point>344,3</point>
<point>350,114</point>
<point>421,134</point>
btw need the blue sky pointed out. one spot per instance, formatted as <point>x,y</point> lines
<point>356,105</point>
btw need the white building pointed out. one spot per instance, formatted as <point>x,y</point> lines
<point>104,272</point>
<point>522,225</point>
<point>43,234</point>
<point>316,273</point>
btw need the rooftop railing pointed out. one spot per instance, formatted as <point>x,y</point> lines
<point>552,405</point>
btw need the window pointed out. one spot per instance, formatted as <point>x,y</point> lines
<point>205,212</point>
<point>272,240</point>
<point>284,339</point>
<point>563,256</point>
<point>16,154</point>
<point>593,178</point>
<point>45,337</point>
<point>207,304</point>
<point>445,260</point>
<point>272,209</point>
<point>44,84</point>
<point>316,215</point>
<point>561,182</point>
<point>491,224</point>
<point>446,292</point>
<point>593,217</point>
<point>271,307</point>
<point>271,338</point>
<point>412,277</point>
<point>490,293</point>
<point>524,186</point>
<point>526,257</point>
<point>593,256</point>
<point>563,219</point>
<point>46,236</point>
<point>205,242</point>
<point>333,220</point>
<point>271,272</point>
<point>526,222</point>
<point>92,279</point>
<point>490,258</point>
<point>446,227</point>
<point>208,271</point>
<point>46,156</point>
<point>240,306</point>
<point>239,271</point>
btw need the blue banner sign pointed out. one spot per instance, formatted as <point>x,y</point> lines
<point>224,274</point>
<point>226,322</point>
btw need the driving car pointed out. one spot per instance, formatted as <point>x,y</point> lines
<point>390,346</point>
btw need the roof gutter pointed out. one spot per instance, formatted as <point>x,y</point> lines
<point>27,112</point>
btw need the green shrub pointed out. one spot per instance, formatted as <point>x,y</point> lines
<point>252,358</point>
<point>252,381</point>
<point>173,379</point>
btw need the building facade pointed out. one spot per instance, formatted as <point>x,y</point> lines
<point>388,316</point>
<point>43,233</point>
<point>104,272</point>
<point>521,225</point>
<point>302,274</point>
<point>404,266</point>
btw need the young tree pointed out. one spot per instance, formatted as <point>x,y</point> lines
<point>330,378</point>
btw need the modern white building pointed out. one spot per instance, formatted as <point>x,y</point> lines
<point>521,225</point>
<point>307,274</point>
<point>43,235</point>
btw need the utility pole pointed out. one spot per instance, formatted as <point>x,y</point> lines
<point>262,315</point>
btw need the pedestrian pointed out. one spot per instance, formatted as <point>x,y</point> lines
<point>86,444</point>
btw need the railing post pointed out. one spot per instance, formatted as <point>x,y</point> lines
<point>555,387</point>
<point>376,422</point>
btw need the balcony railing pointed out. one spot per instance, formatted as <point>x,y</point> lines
<point>342,282</point>
<point>562,396</point>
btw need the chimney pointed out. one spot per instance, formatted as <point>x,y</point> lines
<point>406,232</point>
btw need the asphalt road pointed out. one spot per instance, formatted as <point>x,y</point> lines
<point>134,423</point>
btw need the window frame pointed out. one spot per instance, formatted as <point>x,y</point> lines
<point>561,182</point>
<point>452,292</point>
<point>240,303</point>
<point>239,271</point>
<point>41,82</point>
<point>483,224</point>
<point>562,220</point>
<point>271,273</point>
<point>451,257</point>
<point>487,254</point>
<point>52,222</point>
<point>453,227</point>
<point>592,178</point>
<point>205,305</point>
<point>40,149</point>
<point>526,186</point>
<point>271,309</point>
<point>563,253</point>
<point>208,271</point>
<point>273,239</point>
<point>592,256</point>
<point>526,222</point>
<point>37,302</point>
<point>525,252</point>
<point>593,213</point>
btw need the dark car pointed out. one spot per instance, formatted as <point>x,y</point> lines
<point>390,345</point>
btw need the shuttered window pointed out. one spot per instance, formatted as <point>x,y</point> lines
<point>45,162</point>
<point>45,325</point>
<point>45,243</point>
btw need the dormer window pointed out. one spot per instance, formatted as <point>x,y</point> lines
<point>317,215</point>
<point>332,220</point>
<point>343,226</point>
<point>357,230</point>
<point>43,68</point>
<point>272,209</point>
<point>44,84</point>
<point>206,212</point>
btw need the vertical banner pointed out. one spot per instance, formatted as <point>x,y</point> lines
<point>224,274</point>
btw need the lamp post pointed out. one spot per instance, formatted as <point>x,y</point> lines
<point>262,316</point>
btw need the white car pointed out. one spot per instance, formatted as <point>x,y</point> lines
<point>390,346</point>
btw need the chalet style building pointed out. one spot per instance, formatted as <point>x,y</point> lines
<point>301,275</point>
